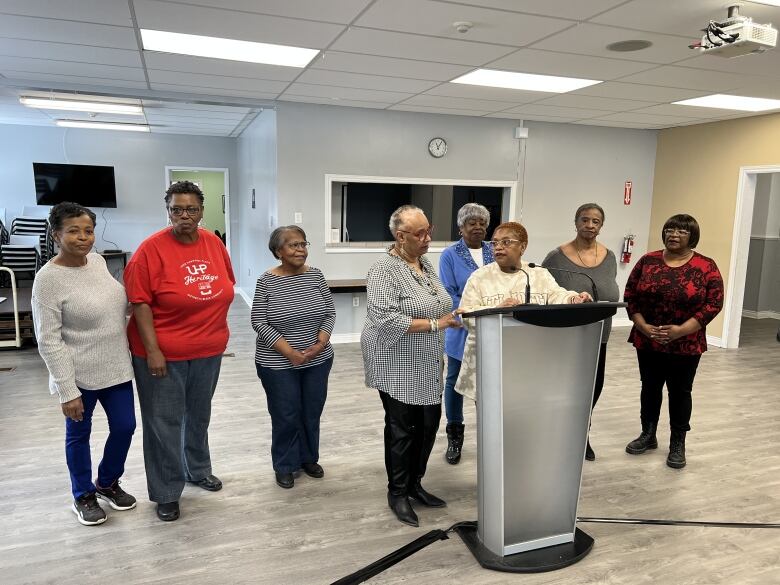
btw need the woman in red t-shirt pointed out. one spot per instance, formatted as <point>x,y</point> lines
<point>672,295</point>
<point>180,282</point>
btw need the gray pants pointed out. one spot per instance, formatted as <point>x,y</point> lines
<point>175,413</point>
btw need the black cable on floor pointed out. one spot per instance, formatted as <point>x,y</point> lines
<point>711,524</point>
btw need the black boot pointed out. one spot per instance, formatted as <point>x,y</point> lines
<point>454,442</point>
<point>425,498</point>
<point>400,505</point>
<point>676,458</point>
<point>644,441</point>
<point>590,455</point>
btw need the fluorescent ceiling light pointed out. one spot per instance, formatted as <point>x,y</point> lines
<point>525,81</point>
<point>732,102</point>
<point>769,2</point>
<point>103,125</point>
<point>81,106</point>
<point>230,49</point>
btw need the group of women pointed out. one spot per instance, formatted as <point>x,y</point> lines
<point>178,287</point>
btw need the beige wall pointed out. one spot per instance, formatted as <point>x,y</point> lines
<point>697,172</point>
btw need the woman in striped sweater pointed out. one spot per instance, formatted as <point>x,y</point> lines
<point>293,315</point>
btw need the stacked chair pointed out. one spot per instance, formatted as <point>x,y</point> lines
<point>28,245</point>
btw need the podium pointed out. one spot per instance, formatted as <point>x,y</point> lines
<point>536,368</point>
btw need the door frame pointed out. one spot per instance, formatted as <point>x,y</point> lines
<point>226,171</point>
<point>740,247</point>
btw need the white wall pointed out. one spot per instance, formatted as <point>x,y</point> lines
<point>257,170</point>
<point>139,162</point>
<point>762,282</point>
<point>566,166</point>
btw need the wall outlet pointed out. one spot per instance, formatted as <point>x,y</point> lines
<point>298,217</point>
<point>355,301</point>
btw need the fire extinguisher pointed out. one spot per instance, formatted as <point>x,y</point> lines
<point>628,247</point>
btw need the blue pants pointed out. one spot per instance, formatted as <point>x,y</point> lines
<point>453,402</point>
<point>117,401</point>
<point>296,398</point>
<point>175,413</point>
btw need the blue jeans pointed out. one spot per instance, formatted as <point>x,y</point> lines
<point>175,413</point>
<point>117,401</point>
<point>453,402</point>
<point>296,398</point>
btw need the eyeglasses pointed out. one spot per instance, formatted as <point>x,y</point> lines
<point>179,211</point>
<point>676,232</point>
<point>505,243</point>
<point>298,245</point>
<point>421,234</point>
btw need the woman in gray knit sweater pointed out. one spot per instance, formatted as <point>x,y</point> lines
<point>584,254</point>
<point>79,312</point>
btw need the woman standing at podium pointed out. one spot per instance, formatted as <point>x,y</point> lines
<point>584,255</point>
<point>672,295</point>
<point>455,266</point>
<point>407,312</point>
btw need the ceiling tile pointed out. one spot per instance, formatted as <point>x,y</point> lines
<point>333,101</point>
<point>436,18</point>
<point>212,93</point>
<point>211,109</point>
<point>597,103</point>
<point>684,77</point>
<point>192,121</point>
<point>198,20</point>
<point>681,18</point>
<point>579,10</point>
<point>634,91</point>
<point>358,80</point>
<point>644,118</point>
<point>371,64</point>
<point>189,64</point>
<point>63,81</point>
<point>613,124</point>
<point>64,31</point>
<point>105,72</point>
<point>97,11</point>
<point>567,65</point>
<point>216,82</point>
<point>576,113</point>
<point>408,46</point>
<point>430,110</point>
<point>765,64</point>
<point>526,116</point>
<point>764,88</point>
<point>344,93</point>
<point>457,103</point>
<point>678,111</point>
<point>339,11</point>
<point>478,92</point>
<point>69,52</point>
<point>592,39</point>
<point>181,114</point>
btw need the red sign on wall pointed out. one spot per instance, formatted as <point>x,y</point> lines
<point>627,193</point>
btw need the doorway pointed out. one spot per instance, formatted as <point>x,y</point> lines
<point>754,276</point>
<point>214,182</point>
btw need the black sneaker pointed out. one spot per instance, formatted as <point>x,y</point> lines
<point>88,510</point>
<point>116,497</point>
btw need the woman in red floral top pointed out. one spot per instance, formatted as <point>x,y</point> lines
<point>672,295</point>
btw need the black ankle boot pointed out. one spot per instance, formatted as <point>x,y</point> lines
<point>402,509</point>
<point>425,498</point>
<point>676,458</point>
<point>644,441</point>
<point>590,455</point>
<point>454,442</point>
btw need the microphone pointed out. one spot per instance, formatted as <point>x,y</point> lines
<point>527,282</point>
<point>592,282</point>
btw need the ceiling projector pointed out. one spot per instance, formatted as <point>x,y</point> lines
<point>736,36</point>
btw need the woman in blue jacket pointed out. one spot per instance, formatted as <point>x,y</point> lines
<point>455,266</point>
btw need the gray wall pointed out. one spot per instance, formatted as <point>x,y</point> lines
<point>139,162</point>
<point>257,164</point>
<point>762,283</point>
<point>566,165</point>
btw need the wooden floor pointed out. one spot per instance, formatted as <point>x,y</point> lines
<point>254,532</point>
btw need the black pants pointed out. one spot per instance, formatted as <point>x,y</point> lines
<point>677,372</point>
<point>410,432</point>
<point>599,385</point>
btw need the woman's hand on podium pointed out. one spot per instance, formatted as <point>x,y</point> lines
<point>451,320</point>
<point>583,297</point>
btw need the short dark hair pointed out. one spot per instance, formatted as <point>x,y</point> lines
<point>66,210</point>
<point>683,221</point>
<point>277,237</point>
<point>183,188</point>
<point>516,228</point>
<point>586,206</point>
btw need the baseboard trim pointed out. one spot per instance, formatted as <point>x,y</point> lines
<point>337,338</point>
<point>760,314</point>
<point>715,341</point>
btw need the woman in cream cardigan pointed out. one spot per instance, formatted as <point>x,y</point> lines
<point>503,284</point>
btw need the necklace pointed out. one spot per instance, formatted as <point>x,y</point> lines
<point>595,255</point>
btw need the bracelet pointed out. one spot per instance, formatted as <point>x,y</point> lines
<point>434,325</point>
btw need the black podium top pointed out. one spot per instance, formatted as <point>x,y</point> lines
<point>569,315</point>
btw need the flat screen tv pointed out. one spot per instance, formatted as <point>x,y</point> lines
<point>89,185</point>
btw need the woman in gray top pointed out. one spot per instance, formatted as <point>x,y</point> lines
<point>584,254</point>
<point>407,312</point>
